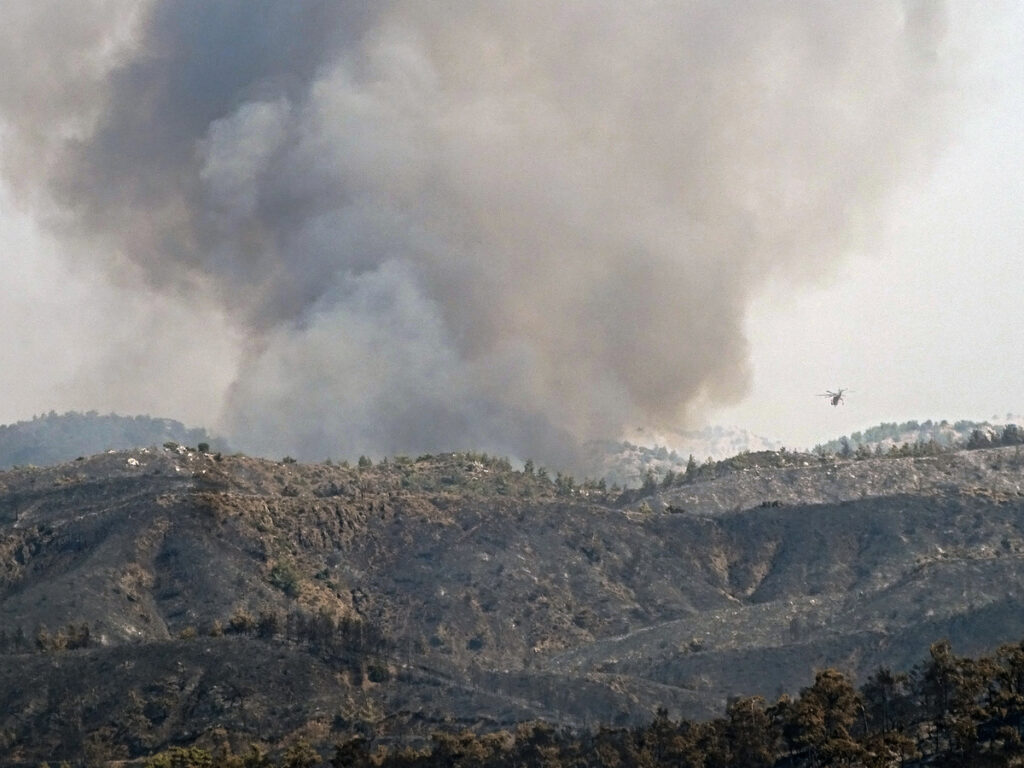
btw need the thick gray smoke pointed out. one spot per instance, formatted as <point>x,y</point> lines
<point>506,226</point>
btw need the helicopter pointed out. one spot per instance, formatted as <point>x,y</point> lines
<point>835,397</point>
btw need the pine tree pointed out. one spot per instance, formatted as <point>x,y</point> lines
<point>691,469</point>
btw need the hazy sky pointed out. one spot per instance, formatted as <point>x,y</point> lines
<point>928,325</point>
<point>330,230</point>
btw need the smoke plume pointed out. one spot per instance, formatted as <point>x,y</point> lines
<point>506,226</point>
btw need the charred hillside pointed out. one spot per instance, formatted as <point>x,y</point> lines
<point>168,596</point>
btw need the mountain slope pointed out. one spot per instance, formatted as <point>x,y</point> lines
<point>256,599</point>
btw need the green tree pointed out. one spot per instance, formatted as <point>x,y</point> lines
<point>650,484</point>
<point>950,688</point>
<point>886,699</point>
<point>978,439</point>
<point>936,679</point>
<point>1012,435</point>
<point>691,469</point>
<point>1009,677</point>
<point>749,733</point>
<point>822,718</point>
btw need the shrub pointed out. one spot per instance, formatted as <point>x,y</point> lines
<point>242,623</point>
<point>284,577</point>
<point>181,757</point>
<point>377,673</point>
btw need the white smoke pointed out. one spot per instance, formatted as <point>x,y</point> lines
<point>502,226</point>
